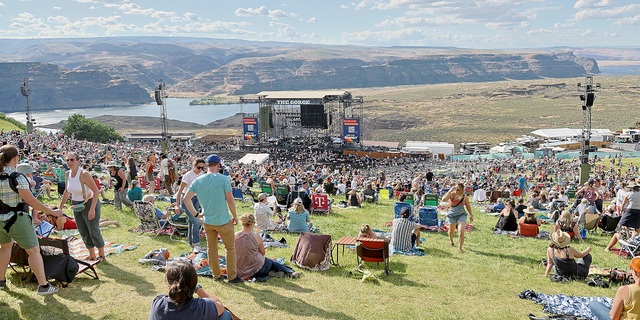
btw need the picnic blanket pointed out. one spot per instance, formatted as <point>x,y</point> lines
<point>562,304</point>
<point>413,252</point>
<point>72,232</point>
<point>543,235</point>
<point>200,262</point>
<point>79,251</point>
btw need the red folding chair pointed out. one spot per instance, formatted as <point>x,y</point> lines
<point>142,182</point>
<point>377,252</point>
<point>158,184</point>
<point>320,204</point>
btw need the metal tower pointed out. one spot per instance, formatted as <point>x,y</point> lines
<point>161,100</point>
<point>26,92</point>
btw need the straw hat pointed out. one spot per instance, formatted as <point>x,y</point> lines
<point>560,238</point>
<point>262,196</point>
<point>112,164</point>
<point>530,210</point>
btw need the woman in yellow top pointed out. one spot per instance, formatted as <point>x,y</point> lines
<point>626,304</point>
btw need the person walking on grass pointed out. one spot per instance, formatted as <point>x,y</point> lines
<point>119,183</point>
<point>216,198</point>
<point>15,224</point>
<point>457,217</point>
<point>82,189</point>
<point>194,223</point>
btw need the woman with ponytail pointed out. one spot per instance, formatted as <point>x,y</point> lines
<point>180,304</point>
<point>15,223</point>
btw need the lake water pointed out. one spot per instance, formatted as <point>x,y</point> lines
<point>619,71</point>
<point>177,109</point>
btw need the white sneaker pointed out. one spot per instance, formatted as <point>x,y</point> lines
<point>196,249</point>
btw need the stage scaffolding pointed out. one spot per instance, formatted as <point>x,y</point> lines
<point>279,115</point>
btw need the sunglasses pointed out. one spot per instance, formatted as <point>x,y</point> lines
<point>201,168</point>
<point>70,160</point>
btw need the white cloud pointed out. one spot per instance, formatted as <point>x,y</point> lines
<point>593,3</point>
<point>2,4</point>
<point>263,11</point>
<point>312,20</point>
<point>57,8</point>
<point>540,31</point>
<point>606,13</point>
<point>420,21</point>
<point>132,8</point>
<point>588,32</point>
<point>342,6</point>
<point>58,19</point>
<point>92,7</point>
<point>501,26</point>
<point>278,24</point>
<point>387,35</point>
<point>565,25</point>
<point>611,34</point>
<point>313,35</point>
<point>103,1</point>
<point>111,5</point>
<point>191,16</point>
<point>629,21</point>
<point>164,15</point>
<point>293,14</point>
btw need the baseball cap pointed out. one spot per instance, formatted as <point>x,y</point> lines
<point>405,212</point>
<point>213,158</point>
<point>635,264</point>
<point>297,201</point>
<point>262,196</point>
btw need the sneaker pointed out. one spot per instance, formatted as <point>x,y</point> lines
<point>237,280</point>
<point>3,284</point>
<point>276,274</point>
<point>295,275</point>
<point>217,279</point>
<point>196,249</point>
<point>47,289</point>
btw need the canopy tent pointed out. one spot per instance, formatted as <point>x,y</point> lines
<point>565,133</point>
<point>259,158</point>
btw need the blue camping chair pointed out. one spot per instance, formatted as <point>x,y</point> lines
<point>428,216</point>
<point>397,208</point>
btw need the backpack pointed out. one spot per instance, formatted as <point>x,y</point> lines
<point>13,179</point>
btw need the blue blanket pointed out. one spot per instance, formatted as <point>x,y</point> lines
<point>563,304</point>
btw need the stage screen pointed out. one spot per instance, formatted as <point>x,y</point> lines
<point>351,128</point>
<point>313,116</point>
<point>250,128</point>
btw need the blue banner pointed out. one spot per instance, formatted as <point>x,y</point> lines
<point>351,129</point>
<point>250,128</point>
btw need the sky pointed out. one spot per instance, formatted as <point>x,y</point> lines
<point>481,24</point>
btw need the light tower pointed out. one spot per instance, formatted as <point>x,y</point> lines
<point>161,100</point>
<point>26,92</point>
<point>587,98</point>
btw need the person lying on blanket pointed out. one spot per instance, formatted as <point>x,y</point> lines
<point>250,252</point>
<point>180,304</point>
<point>162,216</point>
<point>366,232</point>
<point>626,304</point>
<point>634,240</point>
<point>65,222</point>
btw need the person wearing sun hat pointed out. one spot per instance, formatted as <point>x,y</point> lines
<point>631,208</point>
<point>626,304</point>
<point>530,217</point>
<point>561,257</point>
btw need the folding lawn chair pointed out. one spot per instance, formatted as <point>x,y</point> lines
<point>320,204</point>
<point>370,196</point>
<point>370,251</point>
<point>293,195</point>
<point>630,249</point>
<point>397,208</point>
<point>266,188</point>
<point>431,200</point>
<point>410,198</point>
<point>384,194</point>
<point>282,191</point>
<point>528,229</point>
<point>428,216</point>
<point>238,195</point>
<point>149,222</point>
<point>609,224</point>
<point>142,182</point>
<point>180,225</point>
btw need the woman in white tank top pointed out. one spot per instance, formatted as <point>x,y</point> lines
<point>88,218</point>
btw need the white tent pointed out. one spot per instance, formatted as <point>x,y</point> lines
<point>250,157</point>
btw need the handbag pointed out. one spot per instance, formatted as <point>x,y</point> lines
<point>80,206</point>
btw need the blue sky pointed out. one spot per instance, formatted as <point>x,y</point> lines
<point>486,24</point>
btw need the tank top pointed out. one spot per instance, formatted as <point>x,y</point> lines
<point>565,266</point>
<point>74,187</point>
<point>631,309</point>
<point>248,256</point>
<point>150,170</point>
<point>117,182</point>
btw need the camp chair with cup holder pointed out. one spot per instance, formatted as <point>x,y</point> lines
<point>293,195</point>
<point>609,224</point>
<point>628,247</point>
<point>179,224</point>
<point>397,208</point>
<point>266,188</point>
<point>528,230</point>
<point>428,216</point>
<point>370,196</point>
<point>282,191</point>
<point>320,204</point>
<point>238,195</point>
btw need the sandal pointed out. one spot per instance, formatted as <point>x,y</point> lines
<point>101,258</point>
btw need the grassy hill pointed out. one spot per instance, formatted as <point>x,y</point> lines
<point>8,124</point>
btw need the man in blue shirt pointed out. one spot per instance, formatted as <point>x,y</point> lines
<point>216,199</point>
<point>522,180</point>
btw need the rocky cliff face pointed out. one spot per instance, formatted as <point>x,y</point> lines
<point>54,87</point>
<point>427,70</point>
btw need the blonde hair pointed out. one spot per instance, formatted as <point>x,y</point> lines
<point>366,229</point>
<point>247,219</point>
<point>149,198</point>
<point>298,208</point>
<point>565,218</point>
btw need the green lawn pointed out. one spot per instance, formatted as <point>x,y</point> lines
<point>482,283</point>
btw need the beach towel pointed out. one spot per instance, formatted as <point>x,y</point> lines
<point>78,250</point>
<point>562,304</point>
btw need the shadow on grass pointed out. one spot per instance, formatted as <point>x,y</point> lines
<point>515,258</point>
<point>122,276</point>
<point>52,305</point>
<point>287,284</point>
<point>7,312</point>
<point>270,300</point>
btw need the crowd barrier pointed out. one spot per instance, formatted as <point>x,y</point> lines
<point>539,154</point>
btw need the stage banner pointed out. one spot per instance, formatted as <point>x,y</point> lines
<point>250,128</point>
<point>351,130</point>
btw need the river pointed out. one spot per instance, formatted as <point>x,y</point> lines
<point>177,109</point>
<point>619,71</point>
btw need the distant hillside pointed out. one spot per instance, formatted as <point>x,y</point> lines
<point>54,87</point>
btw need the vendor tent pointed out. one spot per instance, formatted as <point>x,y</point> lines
<point>257,157</point>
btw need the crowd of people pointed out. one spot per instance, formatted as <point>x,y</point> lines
<point>202,184</point>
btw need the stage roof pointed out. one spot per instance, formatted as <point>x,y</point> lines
<point>388,144</point>
<point>301,94</point>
